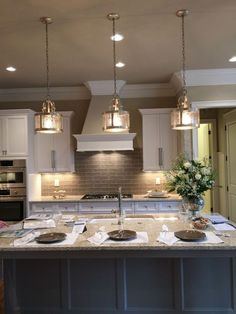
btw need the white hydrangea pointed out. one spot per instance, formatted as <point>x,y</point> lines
<point>187,164</point>
<point>198,176</point>
<point>205,171</point>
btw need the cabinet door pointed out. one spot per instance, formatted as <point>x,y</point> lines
<point>170,206</point>
<point>159,140</point>
<point>16,134</point>
<point>168,141</point>
<point>43,149</point>
<point>61,144</point>
<point>2,136</point>
<point>151,142</point>
<point>53,151</point>
<point>67,207</point>
<point>37,208</point>
<point>108,207</point>
<point>146,207</point>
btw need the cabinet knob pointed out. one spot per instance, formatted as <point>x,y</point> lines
<point>145,206</point>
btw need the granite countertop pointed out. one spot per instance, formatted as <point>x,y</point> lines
<point>77,198</point>
<point>152,227</point>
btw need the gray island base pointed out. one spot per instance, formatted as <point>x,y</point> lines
<point>121,278</point>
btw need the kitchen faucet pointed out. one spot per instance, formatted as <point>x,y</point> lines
<point>121,210</point>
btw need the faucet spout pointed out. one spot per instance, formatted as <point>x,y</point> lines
<point>121,211</point>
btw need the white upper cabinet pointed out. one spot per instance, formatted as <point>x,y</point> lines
<point>54,152</point>
<point>159,140</point>
<point>14,129</point>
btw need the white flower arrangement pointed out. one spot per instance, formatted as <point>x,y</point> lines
<point>190,178</point>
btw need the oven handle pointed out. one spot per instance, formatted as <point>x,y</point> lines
<point>12,198</point>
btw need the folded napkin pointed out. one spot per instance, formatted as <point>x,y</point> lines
<point>212,238</point>
<point>98,238</point>
<point>167,237</point>
<point>29,242</point>
<point>26,239</point>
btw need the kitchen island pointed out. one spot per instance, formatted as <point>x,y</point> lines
<point>139,278</point>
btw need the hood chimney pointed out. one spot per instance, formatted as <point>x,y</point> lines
<point>93,138</point>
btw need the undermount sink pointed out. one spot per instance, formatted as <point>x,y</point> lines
<point>115,220</point>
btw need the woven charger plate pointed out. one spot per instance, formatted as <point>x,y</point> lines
<point>190,235</point>
<point>51,237</point>
<point>122,235</point>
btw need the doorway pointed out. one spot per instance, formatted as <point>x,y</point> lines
<point>205,151</point>
<point>204,146</point>
<point>230,128</point>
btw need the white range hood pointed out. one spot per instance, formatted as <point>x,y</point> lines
<point>93,138</point>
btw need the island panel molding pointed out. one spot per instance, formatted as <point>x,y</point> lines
<point>120,285</point>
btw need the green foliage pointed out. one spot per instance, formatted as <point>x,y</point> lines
<point>190,178</point>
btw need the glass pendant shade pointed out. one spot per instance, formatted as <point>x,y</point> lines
<point>185,119</point>
<point>115,119</point>
<point>48,121</point>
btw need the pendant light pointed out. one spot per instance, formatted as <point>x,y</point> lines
<point>115,119</point>
<point>48,121</point>
<point>184,117</point>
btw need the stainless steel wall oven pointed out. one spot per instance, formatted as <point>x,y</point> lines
<point>12,190</point>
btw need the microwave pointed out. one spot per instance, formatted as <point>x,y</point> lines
<point>12,173</point>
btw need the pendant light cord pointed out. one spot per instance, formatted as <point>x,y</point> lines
<point>114,57</point>
<point>183,56</point>
<point>47,61</point>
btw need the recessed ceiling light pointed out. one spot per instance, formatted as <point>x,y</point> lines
<point>117,37</point>
<point>120,64</point>
<point>11,69</point>
<point>233,59</point>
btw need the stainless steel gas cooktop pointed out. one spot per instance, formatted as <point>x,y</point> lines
<point>107,196</point>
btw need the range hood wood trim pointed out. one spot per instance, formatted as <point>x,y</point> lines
<point>104,142</point>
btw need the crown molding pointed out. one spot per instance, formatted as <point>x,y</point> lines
<point>147,90</point>
<point>204,78</point>
<point>214,104</point>
<point>99,88</point>
<point>83,92</point>
<point>38,94</point>
<point>193,78</point>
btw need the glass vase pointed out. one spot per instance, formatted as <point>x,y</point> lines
<point>193,206</point>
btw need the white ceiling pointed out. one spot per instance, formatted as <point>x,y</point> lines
<point>80,48</point>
